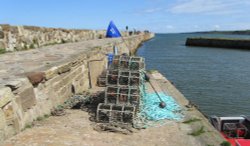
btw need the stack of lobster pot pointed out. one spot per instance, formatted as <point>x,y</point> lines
<point>122,94</point>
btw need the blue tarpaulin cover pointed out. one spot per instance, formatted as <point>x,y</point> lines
<point>112,31</point>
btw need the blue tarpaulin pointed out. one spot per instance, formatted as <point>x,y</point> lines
<point>112,31</point>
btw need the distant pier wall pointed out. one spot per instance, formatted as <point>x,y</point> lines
<point>17,38</point>
<point>219,42</point>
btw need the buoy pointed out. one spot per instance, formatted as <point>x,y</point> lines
<point>162,104</point>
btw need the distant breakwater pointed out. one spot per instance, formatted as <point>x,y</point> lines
<point>18,38</point>
<point>219,42</point>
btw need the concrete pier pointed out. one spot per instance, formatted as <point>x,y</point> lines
<point>219,42</point>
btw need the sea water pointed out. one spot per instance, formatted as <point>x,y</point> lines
<point>215,79</point>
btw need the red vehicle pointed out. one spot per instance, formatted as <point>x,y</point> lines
<point>235,130</point>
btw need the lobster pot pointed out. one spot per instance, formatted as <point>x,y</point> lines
<point>134,96</point>
<point>116,62</point>
<point>101,82</point>
<point>137,63</point>
<point>112,77</point>
<point>124,63</point>
<point>128,63</point>
<point>108,113</point>
<point>124,78</point>
<point>111,94</point>
<point>122,95</point>
<point>136,79</point>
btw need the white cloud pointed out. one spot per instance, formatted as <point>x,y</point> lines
<point>152,10</point>
<point>195,6</point>
<point>208,6</point>
<point>216,27</point>
<point>169,26</point>
<point>238,25</point>
<point>196,26</point>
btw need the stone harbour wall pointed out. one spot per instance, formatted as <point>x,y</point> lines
<point>219,43</point>
<point>16,38</point>
<point>27,95</point>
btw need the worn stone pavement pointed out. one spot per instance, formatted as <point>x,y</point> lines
<point>75,129</point>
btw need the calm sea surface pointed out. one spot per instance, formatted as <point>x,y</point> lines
<point>217,80</point>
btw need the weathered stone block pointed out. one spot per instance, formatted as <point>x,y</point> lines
<point>36,77</point>
<point>18,121</point>
<point>27,99</point>
<point>95,69</point>
<point>8,113</point>
<point>15,83</point>
<point>13,124</point>
<point>78,77</point>
<point>5,27</point>
<point>50,83</point>
<point>53,97</point>
<point>17,125</point>
<point>57,86</point>
<point>2,45</point>
<point>21,31</point>
<point>64,93</point>
<point>5,96</point>
<point>81,82</point>
<point>2,120</point>
<point>64,68</point>
<point>27,96</point>
<point>45,107</point>
<point>78,86</point>
<point>75,63</point>
<point>52,72</point>
<point>1,35</point>
<point>9,131</point>
<point>67,79</point>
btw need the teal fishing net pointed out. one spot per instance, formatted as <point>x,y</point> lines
<point>151,110</point>
<point>150,114</point>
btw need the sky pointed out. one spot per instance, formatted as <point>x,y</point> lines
<point>160,16</point>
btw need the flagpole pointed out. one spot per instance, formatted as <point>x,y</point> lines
<point>126,45</point>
